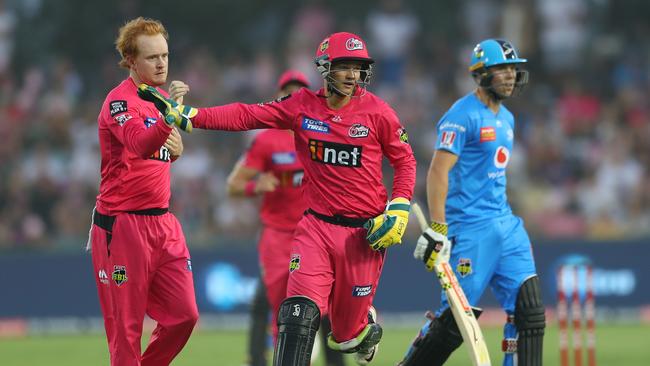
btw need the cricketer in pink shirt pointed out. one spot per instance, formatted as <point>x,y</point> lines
<point>341,133</point>
<point>273,151</point>
<point>140,258</point>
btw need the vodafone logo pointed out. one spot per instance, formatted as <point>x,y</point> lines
<point>501,157</point>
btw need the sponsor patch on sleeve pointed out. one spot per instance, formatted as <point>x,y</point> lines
<point>117,107</point>
<point>122,118</point>
<point>447,139</point>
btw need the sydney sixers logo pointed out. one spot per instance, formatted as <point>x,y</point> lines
<point>358,130</point>
<point>353,44</point>
<point>501,157</point>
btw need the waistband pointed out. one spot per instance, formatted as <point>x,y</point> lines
<point>106,222</point>
<point>338,219</point>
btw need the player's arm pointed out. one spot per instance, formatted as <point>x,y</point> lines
<point>388,228</point>
<point>433,246</point>
<point>247,181</point>
<point>230,117</point>
<point>126,123</point>
<point>438,183</point>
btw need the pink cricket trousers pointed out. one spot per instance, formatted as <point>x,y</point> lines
<point>335,267</point>
<point>142,266</point>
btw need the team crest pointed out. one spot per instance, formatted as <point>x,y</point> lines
<point>353,44</point>
<point>358,130</point>
<point>403,135</point>
<point>464,267</point>
<point>119,275</point>
<point>478,51</point>
<point>325,45</point>
<point>294,263</point>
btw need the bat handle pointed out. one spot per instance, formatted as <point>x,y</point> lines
<point>419,214</point>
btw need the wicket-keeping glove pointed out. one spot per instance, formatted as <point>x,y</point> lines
<point>389,227</point>
<point>433,247</point>
<point>174,113</point>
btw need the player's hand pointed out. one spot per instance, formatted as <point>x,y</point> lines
<point>177,90</point>
<point>174,113</point>
<point>433,246</point>
<point>389,227</point>
<point>174,144</point>
<point>266,182</point>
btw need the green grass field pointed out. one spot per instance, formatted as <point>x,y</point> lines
<point>620,345</point>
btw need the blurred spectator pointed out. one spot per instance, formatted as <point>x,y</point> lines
<point>391,31</point>
<point>7,24</point>
<point>563,32</point>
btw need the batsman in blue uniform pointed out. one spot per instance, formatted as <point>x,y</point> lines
<point>473,225</point>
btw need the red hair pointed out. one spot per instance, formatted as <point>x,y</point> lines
<point>125,43</point>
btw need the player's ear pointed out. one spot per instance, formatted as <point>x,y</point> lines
<point>130,60</point>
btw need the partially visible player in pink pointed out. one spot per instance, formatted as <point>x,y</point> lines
<point>271,168</point>
<point>342,132</point>
<point>141,262</point>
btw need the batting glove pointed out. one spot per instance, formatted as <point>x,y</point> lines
<point>433,247</point>
<point>174,113</point>
<point>389,227</point>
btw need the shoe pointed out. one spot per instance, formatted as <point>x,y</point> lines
<point>365,356</point>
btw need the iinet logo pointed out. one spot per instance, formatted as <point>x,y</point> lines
<point>332,153</point>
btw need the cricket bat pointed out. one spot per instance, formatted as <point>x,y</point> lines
<point>460,308</point>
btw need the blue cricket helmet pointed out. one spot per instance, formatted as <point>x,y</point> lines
<point>492,52</point>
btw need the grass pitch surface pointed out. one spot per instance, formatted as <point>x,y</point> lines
<point>619,345</point>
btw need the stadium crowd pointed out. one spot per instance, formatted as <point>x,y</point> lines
<point>580,169</point>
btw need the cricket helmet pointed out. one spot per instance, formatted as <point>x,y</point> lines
<point>292,76</point>
<point>495,52</point>
<point>343,46</point>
